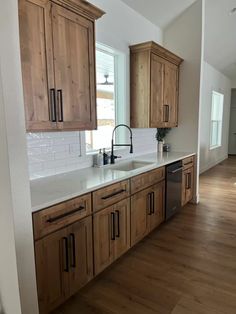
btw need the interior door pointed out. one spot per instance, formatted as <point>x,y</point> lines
<point>104,238</point>
<point>52,269</point>
<point>170,109</point>
<point>140,210</point>
<point>122,227</point>
<point>74,62</point>
<point>81,253</point>
<point>232,129</point>
<point>37,64</point>
<point>157,91</point>
<point>158,205</point>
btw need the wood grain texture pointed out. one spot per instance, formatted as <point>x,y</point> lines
<point>106,248</point>
<point>37,63</point>
<point>69,211</point>
<point>146,179</point>
<point>154,86</point>
<point>74,62</point>
<point>186,266</point>
<point>111,194</point>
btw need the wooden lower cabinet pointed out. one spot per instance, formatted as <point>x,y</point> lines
<point>111,234</point>
<point>147,211</point>
<point>63,263</point>
<point>187,185</point>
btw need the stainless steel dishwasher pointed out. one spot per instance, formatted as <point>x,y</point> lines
<point>173,188</point>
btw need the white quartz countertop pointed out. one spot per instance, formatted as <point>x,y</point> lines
<point>55,189</point>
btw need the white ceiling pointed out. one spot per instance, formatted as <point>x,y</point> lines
<point>220,36</point>
<point>160,12</point>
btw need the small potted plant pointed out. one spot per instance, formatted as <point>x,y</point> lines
<point>160,135</point>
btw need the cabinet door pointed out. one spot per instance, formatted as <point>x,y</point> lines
<point>81,254</point>
<point>74,62</point>
<point>52,268</point>
<point>158,205</point>
<point>37,64</point>
<point>104,238</point>
<point>157,92</point>
<point>122,227</point>
<point>170,108</point>
<point>140,210</point>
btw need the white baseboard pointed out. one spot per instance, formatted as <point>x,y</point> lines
<point>212,164</point>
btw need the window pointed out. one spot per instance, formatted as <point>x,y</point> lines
<point>216,119</point>
<point>110,105</point>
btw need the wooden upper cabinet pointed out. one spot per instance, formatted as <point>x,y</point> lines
<point>58,64</point>
<point>37,63</point>
<point>154,86</point>
<point>74,60</point>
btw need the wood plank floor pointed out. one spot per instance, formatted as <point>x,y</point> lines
<point>187,266</point>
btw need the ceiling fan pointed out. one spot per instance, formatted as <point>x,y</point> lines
<point>106,83</point>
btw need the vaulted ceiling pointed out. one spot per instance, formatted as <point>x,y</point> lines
<point>220,36</point>
<point>160,12</point>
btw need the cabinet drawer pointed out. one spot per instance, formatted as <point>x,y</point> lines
<point>53,218</point>
<point>188,162</point>
<point>147,179</point>
<point>110,195</point>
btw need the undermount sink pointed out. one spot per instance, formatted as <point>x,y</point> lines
<point>130,165</point>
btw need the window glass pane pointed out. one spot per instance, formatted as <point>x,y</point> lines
<point>216,119</point>
<point>106,119</point>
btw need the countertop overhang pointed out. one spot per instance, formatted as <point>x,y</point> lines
<point>52,190</point>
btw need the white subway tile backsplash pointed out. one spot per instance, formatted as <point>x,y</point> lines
<point>50,153</point>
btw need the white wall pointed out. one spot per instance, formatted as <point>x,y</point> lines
<point>213,80</point>
<point>233,84</point>
<point>184,37</point>
<point>51,153</point>
<point>15,212</point>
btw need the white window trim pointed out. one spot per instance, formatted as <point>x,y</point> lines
<point>119,94</point>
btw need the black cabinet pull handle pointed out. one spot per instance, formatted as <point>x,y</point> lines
<point>60,105</point>
<point>166,113</point>
<point>113,194</point>
<point>113,235</point>
<point>189,181</point>
<point>118,223</point>
<point>54,219</point>
<point>186,181</point>
<point>53,116</point>
<point>149,203</point>
<point>153,202</point>
<point>73,256</point>
<point>66,255</point>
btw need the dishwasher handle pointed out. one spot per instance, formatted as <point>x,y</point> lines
<point>176,170</point>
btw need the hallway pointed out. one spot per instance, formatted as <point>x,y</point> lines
<point>187,266</point>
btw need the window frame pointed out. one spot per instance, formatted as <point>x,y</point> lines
<point>219,122</point>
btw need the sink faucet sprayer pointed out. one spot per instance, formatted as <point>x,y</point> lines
<point>113,145</point>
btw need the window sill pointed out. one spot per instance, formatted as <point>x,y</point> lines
<point>215,147</point>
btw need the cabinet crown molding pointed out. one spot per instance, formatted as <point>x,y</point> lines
<point>158,50</point>
<point>82,7</point>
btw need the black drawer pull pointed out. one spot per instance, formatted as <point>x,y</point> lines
<point>51,220</point>
<point>60,105</point>
<point>113,235</point>
<point>153,202</point>
<point>53,117</point>
<point>188,163</point>
<point>66,254</point>
<point>113,194</point>
<point>149,203</point>
<point>73,256</point>
<point>118,223</point>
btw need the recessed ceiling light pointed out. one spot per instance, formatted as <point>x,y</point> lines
<point>232,11</point>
